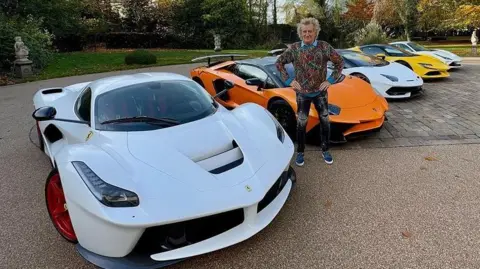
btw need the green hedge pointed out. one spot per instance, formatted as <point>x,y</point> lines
<point>140,57</point>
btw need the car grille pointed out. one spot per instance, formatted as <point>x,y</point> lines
<point>167,237</point>
<point>433,73</point>
<point>403,90</point>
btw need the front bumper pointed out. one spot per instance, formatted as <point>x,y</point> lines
<point>204,234</point>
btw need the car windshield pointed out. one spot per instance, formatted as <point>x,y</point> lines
<point>362,59</point>
<point>152,105</point>
<point>272,68</point>
<point>418,47</point>
<point>397,52</point>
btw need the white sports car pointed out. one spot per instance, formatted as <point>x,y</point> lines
<point>447,57</point>
<point>391,80</point>
<point>148,169</point>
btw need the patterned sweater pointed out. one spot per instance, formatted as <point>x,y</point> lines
<point>310,64</point>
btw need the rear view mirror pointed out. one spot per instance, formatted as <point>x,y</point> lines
<point>44,113</point>
<point>381,56</point>
<point>255,82</point>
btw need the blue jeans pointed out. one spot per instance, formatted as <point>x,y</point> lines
<point>320,103</point>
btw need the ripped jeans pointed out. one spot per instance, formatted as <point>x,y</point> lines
<point>320,103</point>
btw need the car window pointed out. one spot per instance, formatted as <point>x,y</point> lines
<point>393,51</point>
<point>248,71</point>
<point>362,59</point>
<point>372,50</point>
<point>403,46</point>
<point>180,100</point>
<point>272,68</point>
<point>84,105</point>
<point>418,47</point>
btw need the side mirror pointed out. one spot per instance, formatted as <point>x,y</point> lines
<point>380,55</point>
<point>49,113</point>
<point>227,85</point>
<point>44,113</point>
<point>255,82</point>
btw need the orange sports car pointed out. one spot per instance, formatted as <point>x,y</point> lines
<point>354,106</point>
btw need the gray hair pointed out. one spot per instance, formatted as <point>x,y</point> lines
<point>308,21</point>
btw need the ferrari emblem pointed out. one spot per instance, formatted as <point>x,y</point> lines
<point>248,188</point>
<point>89,136</point>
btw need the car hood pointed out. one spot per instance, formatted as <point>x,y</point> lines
<point>428,59</point>
<point>351,93</point>
<point>188,152</point>
<point>403,73</point>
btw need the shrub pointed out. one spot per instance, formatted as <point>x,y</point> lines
<point>372,33</point>
<point>140,57</point>
<point>38,41</point>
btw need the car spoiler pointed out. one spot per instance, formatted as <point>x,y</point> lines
<point>276,52</point>
<point>210,57</point>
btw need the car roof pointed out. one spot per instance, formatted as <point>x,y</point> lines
<point>111,83</point>
<point>377,45</point>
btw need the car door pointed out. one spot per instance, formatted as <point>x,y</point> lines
<point>243,93</point>
<point>83,109</point>
<point>74,132</point>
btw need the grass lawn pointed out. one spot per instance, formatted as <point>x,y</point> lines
<point>80,63</point>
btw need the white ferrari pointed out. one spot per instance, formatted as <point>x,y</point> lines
<point>447,57</point>
<point>148,169</point>
<point>391,80</point>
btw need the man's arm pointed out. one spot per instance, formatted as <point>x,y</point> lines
<point>337,61</point>
<point>285,58</point>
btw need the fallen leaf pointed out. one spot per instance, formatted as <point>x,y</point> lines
<point>406,234</point>
<point>328,204</point>
<point>430,158</point>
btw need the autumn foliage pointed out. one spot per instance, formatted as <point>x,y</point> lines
<point>361,10</point>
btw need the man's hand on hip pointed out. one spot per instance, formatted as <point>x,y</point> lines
<point>324,86</point>
<point>296,85</point>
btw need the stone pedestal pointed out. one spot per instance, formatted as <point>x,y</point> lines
<point>23,68</point>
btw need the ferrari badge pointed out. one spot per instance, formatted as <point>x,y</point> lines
<point>248,188</point>
<point>88,136</point>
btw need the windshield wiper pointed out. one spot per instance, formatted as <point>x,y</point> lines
<point>144,119</point>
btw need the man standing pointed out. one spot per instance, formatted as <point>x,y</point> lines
<point>310,57</point>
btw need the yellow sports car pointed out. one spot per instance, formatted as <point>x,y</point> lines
<point>425,66</point>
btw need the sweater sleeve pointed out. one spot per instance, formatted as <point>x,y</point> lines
<point>337,61</point>
<point>285,58</point>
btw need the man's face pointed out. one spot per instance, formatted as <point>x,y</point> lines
<point>308,34</point>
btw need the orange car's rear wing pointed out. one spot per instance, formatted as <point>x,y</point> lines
<point>210,57</point>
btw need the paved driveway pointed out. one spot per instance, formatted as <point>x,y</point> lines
<point>448,113</point>
<point>374,208</point>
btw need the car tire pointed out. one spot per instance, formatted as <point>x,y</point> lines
<point>56,207</point>
<point>285,115</point>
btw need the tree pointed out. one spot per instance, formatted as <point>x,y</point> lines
<point>360,11</point>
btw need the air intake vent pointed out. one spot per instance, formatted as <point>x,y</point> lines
<point>224,161</point>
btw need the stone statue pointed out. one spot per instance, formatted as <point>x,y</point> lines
<point>22,65</point>
<point>218,42</point>
<point>21,51</point>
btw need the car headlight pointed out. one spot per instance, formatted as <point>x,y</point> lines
<point>392,78</point>
<point>105,193</point>
<point>428,66</point>
<point>278,126</point>
<point>333,109</point>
